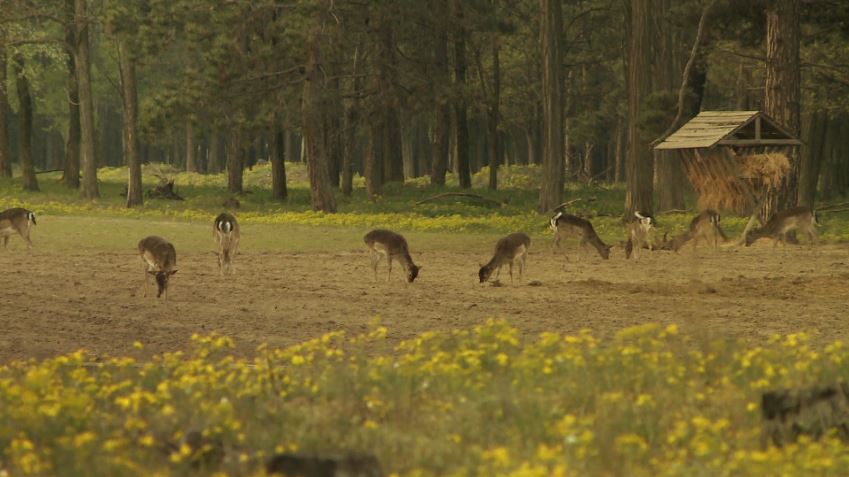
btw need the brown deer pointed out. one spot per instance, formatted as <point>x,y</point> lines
<point>640,234</point>
<point>18,221</point>
<point>225,230</point>
<point>798,218</point>
<point>564,225</point>
<point>159,259</point>
<point>394,247</point>
<point>704,226</point>
<point>508,250</point>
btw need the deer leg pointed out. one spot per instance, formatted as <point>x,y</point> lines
<point>511,272</point>
<point>389,275</point>
<point>812,236</point>
<point>25,236</point>
<point>375,260</point>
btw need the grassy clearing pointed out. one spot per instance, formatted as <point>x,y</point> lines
<point>474,402</point>
<point>206,193</point>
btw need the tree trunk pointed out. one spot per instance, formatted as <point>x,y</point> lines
<point>190,148</point>
<point>313,111</point>
<point>442,120</point>
<point>619,153</point>
<point>374,162</point>
<point>463,168</point>
<point>349,144</point>
<point>5,151</point>
<point>494,139</point>
<point>551,191</point>
<point>639,165</point>
<point>783,88</point>
<point>279,190</point>
<point>235,161</point>
<point>741,88</point>
<point>89,189</point>
<point>213,165</point>
<point>71,176</point>
<point>25,132</point>
<point>131,139</point>
<point>812,152</point>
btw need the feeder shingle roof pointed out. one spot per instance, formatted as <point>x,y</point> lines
<point>729,128</point>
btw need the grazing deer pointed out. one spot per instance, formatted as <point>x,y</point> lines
<point>225,230</point>
<point>705,226</point>
<point>564,225</point>
<point>640,232</point>
<point>507,250</point>
<point>18,221</point>
<point>797,218</point>
<point>158,259</point>
<point>387,243</point>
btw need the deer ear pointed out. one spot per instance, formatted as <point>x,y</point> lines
<point>172,272</point>
<point>152,272</point>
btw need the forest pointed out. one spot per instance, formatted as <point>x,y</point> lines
<point>394,90</point>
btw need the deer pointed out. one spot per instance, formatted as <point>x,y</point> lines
<point>508,250</point>
<point>225,230</point>
<point>564,225</point>
<point>385,243</point>
<point>640,233</point>
<point>16,220</point>
<point>159,259</point>
<point>706,226</point>
<point>777,227</point>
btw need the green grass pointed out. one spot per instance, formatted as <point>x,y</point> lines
<point>396,209</point>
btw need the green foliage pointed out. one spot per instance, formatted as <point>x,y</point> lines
<point>396,209</point>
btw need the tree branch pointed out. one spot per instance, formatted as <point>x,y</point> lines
<point>694,54</point>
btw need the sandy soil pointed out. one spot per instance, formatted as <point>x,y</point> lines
<point>55,302</point>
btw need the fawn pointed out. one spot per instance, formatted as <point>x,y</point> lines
<point>225,230</point>
<point>797,218</point>
<point>392,245</point>
<point>158,259</point>
<point>565,224</point>
<point>507,250</point>
<point>18,221</point>
<point>640,232</point>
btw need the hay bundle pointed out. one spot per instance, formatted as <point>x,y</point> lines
<point>766,170</point>
<point>715,176</point>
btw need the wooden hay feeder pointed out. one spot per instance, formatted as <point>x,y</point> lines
<point>734,159</point>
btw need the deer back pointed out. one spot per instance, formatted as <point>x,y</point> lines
<point>388,242</point>
<point>17,219</point>
<point>159,253</point>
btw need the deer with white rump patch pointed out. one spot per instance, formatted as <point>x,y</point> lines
<point>508,250</point>
<point>564,225</point>
<point>159,259</point>
<point>797,218</point>
<point>225,229</point>
<point>385,243</point>
<point>640,232</point>
<point>18,221</point>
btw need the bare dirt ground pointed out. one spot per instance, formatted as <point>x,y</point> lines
<point>55,302</point>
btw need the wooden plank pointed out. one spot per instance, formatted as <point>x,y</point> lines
<point>762,142</point>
